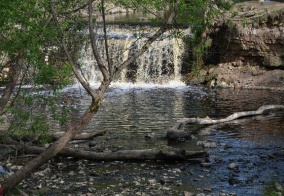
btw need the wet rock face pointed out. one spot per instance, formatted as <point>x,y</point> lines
<point>255,38</point>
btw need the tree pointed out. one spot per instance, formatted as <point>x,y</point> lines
<point>36,27</point>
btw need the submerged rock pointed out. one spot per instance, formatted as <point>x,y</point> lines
<point>233,166</point>
<point>207,144</point>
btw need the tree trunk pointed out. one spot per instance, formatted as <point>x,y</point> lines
<point>124,155</point>
<point>10,86</point>
<point>53,150</point>
<point>56,136</point>
<point>128,155</point>
<point>83,136</point>
<point>176,131</point>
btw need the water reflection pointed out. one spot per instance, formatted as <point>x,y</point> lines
<point>131,113</point>
<point>128,114</point>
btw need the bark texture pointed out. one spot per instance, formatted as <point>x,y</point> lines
<point>83,136</point>
<point>17,65</point>
<point>176,131</point>
<point>56,136</point>
<point>123,155</point>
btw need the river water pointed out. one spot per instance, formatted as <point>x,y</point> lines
<point>131,112</point>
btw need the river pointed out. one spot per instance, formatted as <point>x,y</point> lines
<point>131,112</point>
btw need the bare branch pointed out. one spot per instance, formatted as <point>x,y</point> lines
<point>83,136</point>
<point>105,37</point>
<point>96,54</point>
<point>84,83</point>
<point>77,9</point>
<point>5,98</point>
<point>148,43</point>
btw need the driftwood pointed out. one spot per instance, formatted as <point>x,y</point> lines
<point>57,135</point>
<point>145,154</point>
<point>82,136</point>
<point>124,155</point>
<point>176,131</point>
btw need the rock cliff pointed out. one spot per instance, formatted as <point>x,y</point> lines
<point>247,48</point>
<point>257,36</point>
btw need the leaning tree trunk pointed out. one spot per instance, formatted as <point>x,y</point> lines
<point>54,137</point>
<point>56,147</point>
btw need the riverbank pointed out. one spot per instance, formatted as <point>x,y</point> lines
<point>246,52</point>
<point>242,77</point>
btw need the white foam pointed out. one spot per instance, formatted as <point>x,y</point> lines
<point>125,85</point>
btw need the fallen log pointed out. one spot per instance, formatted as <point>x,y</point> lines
<point>145,154</point>
<point>57,135</point>
<point>82,136</point>
<point>176,131</point>
<point>124,155</point>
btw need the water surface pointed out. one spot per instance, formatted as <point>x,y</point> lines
<point>131,113</point>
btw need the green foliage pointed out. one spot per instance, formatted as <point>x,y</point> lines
<point>27,32</point>
<point>271,190</point>
<point>245,22</point>
<point>34,111</point>
<point>200,15</point>
<point>142,5</point>
<point>21,25</point>
<point>57,76</point>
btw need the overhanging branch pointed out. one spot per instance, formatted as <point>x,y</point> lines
<point>96,53</point>
<point>149,42</point>
<point>84,83</point>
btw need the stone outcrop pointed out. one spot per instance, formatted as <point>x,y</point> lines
<point>247,48</point>
<point>257,36</point>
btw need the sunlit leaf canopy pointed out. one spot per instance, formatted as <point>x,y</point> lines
<point>189,12</point>
<point>26,27</point>
<point>26,32</point>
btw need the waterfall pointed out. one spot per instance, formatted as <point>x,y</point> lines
<point>161,63</point>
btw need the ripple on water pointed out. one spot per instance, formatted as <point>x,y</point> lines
<point>128,114</point>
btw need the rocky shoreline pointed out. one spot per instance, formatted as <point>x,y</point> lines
<point>231,165</point>
<point>247,51</point>
<point>245,77</point>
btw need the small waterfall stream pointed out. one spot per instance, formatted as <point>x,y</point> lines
<point>160,64</point>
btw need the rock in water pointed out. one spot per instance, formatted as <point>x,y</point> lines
<point>233,166</point>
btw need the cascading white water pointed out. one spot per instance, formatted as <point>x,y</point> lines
<point>161,63</point>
